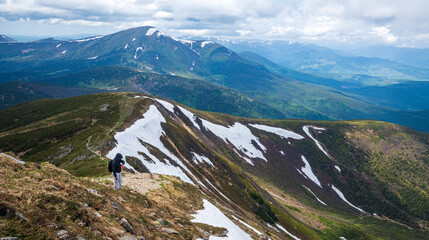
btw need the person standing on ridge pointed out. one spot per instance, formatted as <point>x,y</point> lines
<point>117,165</point>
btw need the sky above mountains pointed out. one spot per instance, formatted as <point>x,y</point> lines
<point>326,22</point>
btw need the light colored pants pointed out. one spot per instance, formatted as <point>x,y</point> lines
<point>118,182</point>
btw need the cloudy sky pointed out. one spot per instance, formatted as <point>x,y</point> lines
<point>389,22</point>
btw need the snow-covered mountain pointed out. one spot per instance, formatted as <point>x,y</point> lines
<point>282,178</point>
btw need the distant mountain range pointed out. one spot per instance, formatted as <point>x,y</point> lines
<point>289,93</point>
<point>6,39</point>
<point>197,111</point>
<point>372,66</point>
<point>415,57</point>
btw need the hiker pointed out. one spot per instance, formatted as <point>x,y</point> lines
<point>115,166</point>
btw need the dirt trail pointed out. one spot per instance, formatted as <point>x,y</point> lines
<point>141,182</point>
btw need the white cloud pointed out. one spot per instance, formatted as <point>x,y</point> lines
<point>163,14</point>
<point>384,34</point>
<point>382,21</point>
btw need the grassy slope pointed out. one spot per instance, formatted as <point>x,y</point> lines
<point>51,200</point>
<point>45,120</point>
<point>192,92</point>
<point>82,161</point>
<point>213,62</point>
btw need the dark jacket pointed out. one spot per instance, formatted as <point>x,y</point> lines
<point>116,164</point>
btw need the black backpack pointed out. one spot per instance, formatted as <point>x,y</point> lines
<point>110,166</point>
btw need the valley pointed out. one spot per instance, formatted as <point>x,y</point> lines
<point>146,51</point>
<point>222,139</point>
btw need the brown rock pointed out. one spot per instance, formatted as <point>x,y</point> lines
<point>169,230</point>
<point>124,223</point>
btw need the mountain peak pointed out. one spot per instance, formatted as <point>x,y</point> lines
<point>6,39</point>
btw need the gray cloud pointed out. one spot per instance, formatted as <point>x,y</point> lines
<point>365,21</point>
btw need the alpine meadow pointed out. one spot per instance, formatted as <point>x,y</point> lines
<point>250,119</point>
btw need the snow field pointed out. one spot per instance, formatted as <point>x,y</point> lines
<point>148,130</point>
<point>278,131</point>
<point>167,105</point>
<point>247,225</point>
<point>201,159</point>
<point>238,135</point>
<point>217,190</point>
<point>205,43</point>
<point>309,172</point>
<point>307,131</point>
<point>338,168</point>
<point>315,195</point>
<point>341,195</point>
<point>13,158</point>
<point>190,115</point>
<point>137,50</point>
<point>151,31</point>
<point>87,39</point>
<point>286,231</point>
<point>211,215</point>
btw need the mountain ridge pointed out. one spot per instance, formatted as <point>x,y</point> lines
<point>150,50</point>
<point>253,160</point>
<point>326,62</point>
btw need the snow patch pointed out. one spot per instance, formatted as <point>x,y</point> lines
<point>271,226</point>
<point>315,195</point>
<point>156,57</point>
<point>211,215</point>
<point>133,39</point>
<point>87,39</point>
<point>191,116</point>
<point>95,57</point>
<point>167,105</point>
<point>138,96</point>
<point>238,135</point>
<point>338,168</point>
<point>151,31</point>
<point>247,225</point>
<point>15,159</point>
<point>126,46</point>
<point>217,190</point>
<point>137,50</point>
<point>309,172</point>
<point>205,43</point>
<point>245,158</point>
<point>301,173</point>
<point>307,131</point>
<point>201,159</point>
<point>58,45</point>
<point>278,131</point>
<point>341,195</point>
<point>282,152</point>
<point>185,42</point>
<point>148,130</point>
<point>286,231</point>
<point>63,52</point>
